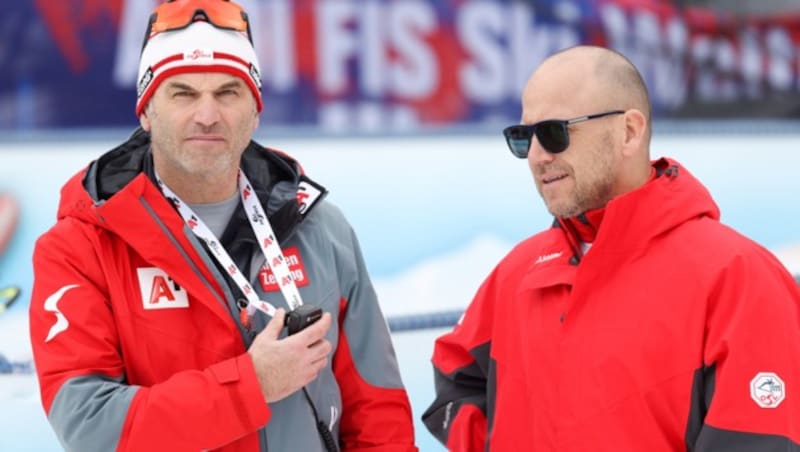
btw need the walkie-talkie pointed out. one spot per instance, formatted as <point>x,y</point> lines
<point>298,319</point>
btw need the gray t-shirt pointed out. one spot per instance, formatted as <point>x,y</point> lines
<point>217,215</point>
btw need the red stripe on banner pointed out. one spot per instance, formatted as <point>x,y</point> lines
<point>447,102</point>
<point>68,22</point>
<point>305,39</point>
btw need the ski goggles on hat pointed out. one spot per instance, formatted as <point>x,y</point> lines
<point>552,134</point>
<point>178,14</point>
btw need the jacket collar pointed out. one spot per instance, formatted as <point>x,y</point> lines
<point>118,193</point>
<point>623,229</point>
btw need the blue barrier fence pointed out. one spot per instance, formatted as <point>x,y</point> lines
<point>441,319</point>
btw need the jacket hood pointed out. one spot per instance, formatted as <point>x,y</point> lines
<point>670,199</point>
<point>129,168</point>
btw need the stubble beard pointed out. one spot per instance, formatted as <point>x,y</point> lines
<point>592,191</point>
<point>182,158</point>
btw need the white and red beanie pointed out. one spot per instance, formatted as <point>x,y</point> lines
<point>200,47</point>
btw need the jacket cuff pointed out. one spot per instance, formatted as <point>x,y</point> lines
<point>238,375</point>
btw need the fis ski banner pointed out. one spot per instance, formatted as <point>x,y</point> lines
<point>391,65</point>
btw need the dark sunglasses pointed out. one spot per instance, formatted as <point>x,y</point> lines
<point>552,134</point>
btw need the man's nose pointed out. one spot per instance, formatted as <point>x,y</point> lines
<point>537,154</point>
<point>206,111</point>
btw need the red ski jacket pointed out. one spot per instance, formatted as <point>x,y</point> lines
<point>136,333</point>
<point>673,332</point>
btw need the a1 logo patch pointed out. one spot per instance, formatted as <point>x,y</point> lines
<point>159,291</point>
<point>296,269</point>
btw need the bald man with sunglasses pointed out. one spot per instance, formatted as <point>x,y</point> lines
<point>198,291</point>
<point>637,322</point>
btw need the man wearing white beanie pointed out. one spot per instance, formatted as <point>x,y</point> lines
<point>197,291</point>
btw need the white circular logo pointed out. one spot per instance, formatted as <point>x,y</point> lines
<point>767,390</point>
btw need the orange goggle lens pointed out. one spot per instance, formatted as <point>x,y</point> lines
<point>177,14</point>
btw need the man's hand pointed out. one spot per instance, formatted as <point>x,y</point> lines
<point>286,365</point>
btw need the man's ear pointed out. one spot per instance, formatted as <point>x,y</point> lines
<point>144,120</point>
<point>635,131</point>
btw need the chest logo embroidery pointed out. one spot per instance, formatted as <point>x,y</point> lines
<point>767,390</point>
<point>159,291</point>
<point>548,257</point>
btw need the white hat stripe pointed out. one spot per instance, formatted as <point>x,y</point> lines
<point>218,59</point>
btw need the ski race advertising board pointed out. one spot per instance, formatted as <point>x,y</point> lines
<point>381,65</point>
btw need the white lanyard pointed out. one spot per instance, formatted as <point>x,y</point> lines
<point>266,241</point>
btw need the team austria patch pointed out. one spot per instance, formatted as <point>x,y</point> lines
<point>159,291</point>
<point>767,390</point>
<point>296,269</point>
